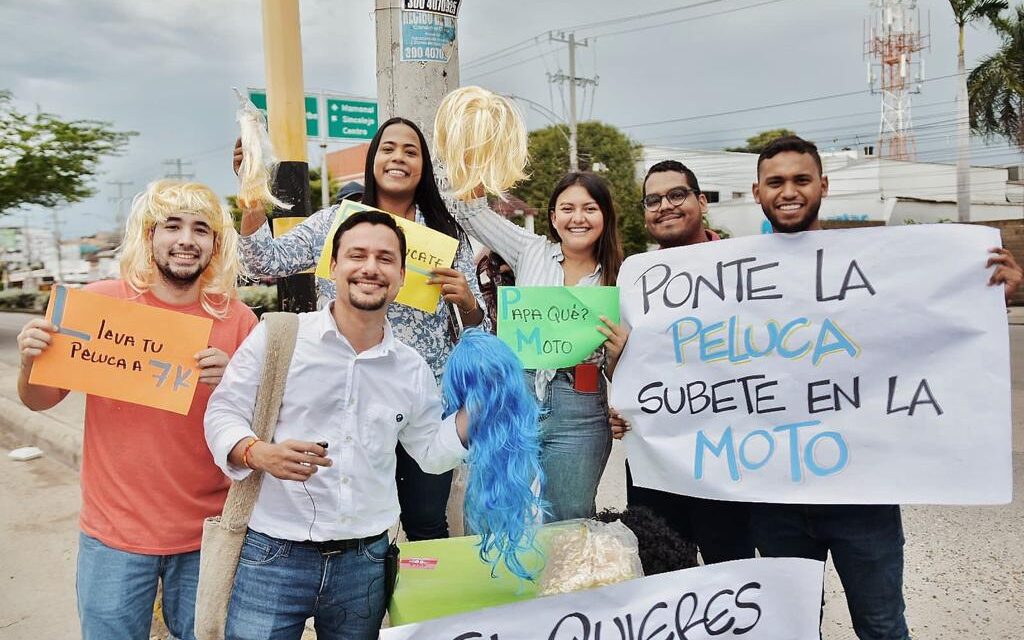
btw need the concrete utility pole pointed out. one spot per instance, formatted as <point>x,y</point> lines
<point>286,116</point>
<point>177,173</point>
<point>412,78</point>
<point>574,81</point>
<point>119,201</point>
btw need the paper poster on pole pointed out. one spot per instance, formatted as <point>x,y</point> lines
<point>122,350</point>
<point>864,366</point>
<point>777,598</point>
<point>427,37</point>
<point>441,7</point>
<point>554,327</point>
<point>426,250</point>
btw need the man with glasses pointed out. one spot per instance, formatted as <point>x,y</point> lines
<point>674,209</point>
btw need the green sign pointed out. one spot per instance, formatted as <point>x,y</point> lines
<point>259,98</point>
<point>351,119</point>
<point>554,327</point>
<point>347,119</point>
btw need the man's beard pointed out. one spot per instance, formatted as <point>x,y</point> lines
<point>181,280</point>
<point>365,303</point>
<point>368,305</point>
<point>803,224</point>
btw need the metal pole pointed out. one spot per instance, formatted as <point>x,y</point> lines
<point>574,161</point>
<point>325,185</point>
<point>286,111</point>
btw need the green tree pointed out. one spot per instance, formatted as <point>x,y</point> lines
<point>996,85</point>
<point>601,147</point>
<point>757,142</point>
<point>964,13</point>
<point>47,161</point>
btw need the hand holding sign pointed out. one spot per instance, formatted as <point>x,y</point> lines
<point>211,362</point>
<point>616,335</point>
<point>34,339</point>
<point>454,288</point>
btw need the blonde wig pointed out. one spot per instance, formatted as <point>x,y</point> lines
<point>480,138</point>
<point>159,201</point>
<point>255,172</point>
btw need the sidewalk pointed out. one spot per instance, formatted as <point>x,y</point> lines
<point>58,431</point>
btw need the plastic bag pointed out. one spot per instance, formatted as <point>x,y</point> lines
<point>258,163</point>
<point>583,554</point>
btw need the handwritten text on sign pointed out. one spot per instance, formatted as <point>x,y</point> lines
<point>762,598</point>
<point>861,366</point>
<point>426,250</point>
<point>554,327</point>
<point>122,350</point>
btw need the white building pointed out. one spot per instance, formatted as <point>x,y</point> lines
<point>861,188</point>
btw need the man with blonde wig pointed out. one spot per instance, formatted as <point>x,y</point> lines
<point>148,479</point>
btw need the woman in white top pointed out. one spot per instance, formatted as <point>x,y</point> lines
<point>583,250</point>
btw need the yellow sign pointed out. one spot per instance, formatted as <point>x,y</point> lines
<point>425,250</point>
<point>122,350</point>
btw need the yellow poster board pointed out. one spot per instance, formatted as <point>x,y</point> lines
<point>426,250</point>
<point>122,350</point>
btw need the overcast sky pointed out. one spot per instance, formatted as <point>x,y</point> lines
<point>165,70</point>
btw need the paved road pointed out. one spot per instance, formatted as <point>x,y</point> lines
<point>10,325</point>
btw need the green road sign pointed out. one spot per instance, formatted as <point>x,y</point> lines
<point>351,119</point>
<point>347,119</point>
<point>259,98</point>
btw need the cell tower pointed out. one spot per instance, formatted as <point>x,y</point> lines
<point>892,40</point>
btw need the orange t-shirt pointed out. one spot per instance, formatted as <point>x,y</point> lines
<point>148,479</point>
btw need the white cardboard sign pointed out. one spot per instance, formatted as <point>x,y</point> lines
<point>763,598</point>
<point>866,366</point>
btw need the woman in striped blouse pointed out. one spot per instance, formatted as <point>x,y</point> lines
<point>583,250</point>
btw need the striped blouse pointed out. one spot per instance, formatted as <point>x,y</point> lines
<point>536,260</point>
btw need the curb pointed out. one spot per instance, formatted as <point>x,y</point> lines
<point>33,428</point>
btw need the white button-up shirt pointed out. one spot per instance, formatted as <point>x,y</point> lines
<point>361,404</point>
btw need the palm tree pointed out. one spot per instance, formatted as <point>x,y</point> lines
<point>996,85</point>
<point>964,13</point>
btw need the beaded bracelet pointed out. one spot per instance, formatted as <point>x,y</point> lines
<point>245,454</point>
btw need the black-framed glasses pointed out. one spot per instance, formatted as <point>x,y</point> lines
<point>675,197</point>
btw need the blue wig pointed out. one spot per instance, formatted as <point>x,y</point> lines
<point>486,377</point>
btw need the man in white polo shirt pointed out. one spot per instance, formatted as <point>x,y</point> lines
<point>317,539</point>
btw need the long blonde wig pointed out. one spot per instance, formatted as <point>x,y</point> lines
<point>159,201</point>
<point>481,139</point>
<point>256,171</point>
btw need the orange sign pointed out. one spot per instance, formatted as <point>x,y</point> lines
<point>122,350</point>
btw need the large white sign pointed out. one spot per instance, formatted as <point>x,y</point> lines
<point>775,598</point>
<point>860,366</point>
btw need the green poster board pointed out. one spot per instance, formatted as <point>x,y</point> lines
<point>554,327</point>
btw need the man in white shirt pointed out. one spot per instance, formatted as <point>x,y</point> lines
<point>317,536</point>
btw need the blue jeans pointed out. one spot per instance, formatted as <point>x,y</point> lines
<point>116,590</point>
<point>575,441</point>
<point>280,583</point>
<point>866,542</point>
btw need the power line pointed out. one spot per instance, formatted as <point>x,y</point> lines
<point>845,94</point>
<point>508,66</point>
<point>641,16</point>
<point>607,34</point>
